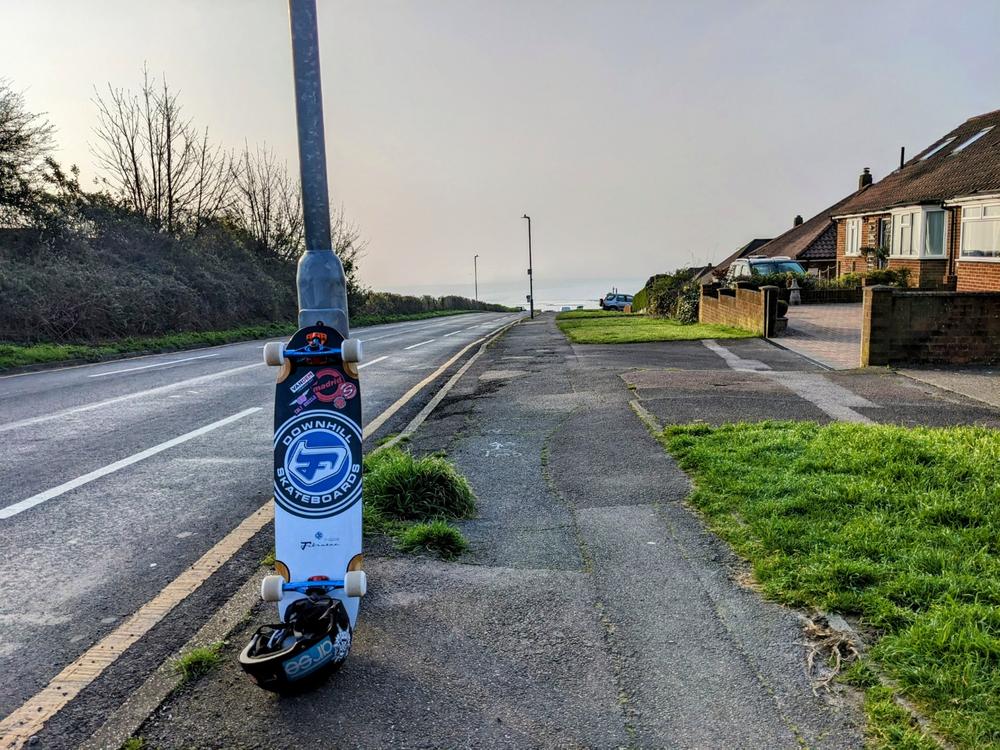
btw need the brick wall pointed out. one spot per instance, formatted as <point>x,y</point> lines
<point>977,276</point>
<point>749,309</point>
<point>925,273</point>
<point>869,238</point>
<point>932,327</point>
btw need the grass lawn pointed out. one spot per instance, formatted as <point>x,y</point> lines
<point>600,327</point>
<point>898,527</point>
<point>22,355</point>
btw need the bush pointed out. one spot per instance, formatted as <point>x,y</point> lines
<point>893,276</point>
<point>438,537</point>
<point>401,487</point>
<point>687,303</point>
<point>782,308</point>
<point>639,300</point>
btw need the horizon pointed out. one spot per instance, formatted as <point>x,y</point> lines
<point>659,135</point>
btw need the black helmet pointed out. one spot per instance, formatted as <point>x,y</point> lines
<point>313,641</point>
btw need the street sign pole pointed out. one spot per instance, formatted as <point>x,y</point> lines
<point>322,286</point>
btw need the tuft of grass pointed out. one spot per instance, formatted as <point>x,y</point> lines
<point>899,527</point>
<point>438,537</point>
<point>268,559</point>
<point>198,661</point>
<point>134,743</point>
<point>403,488</point>
<point>605,327</point>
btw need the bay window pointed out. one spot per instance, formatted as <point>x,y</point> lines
<point>918,232</point>
<point>981,232</point>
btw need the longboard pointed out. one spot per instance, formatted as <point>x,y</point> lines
<point>317,472</point>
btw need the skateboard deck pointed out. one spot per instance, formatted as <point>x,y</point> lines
<point>317,466</point>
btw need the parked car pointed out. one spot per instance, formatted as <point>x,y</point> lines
<point>615,301</point>
<point>747,268</point>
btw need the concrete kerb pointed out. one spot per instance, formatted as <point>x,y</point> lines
<point>130,716</point>
<point>815,361</point>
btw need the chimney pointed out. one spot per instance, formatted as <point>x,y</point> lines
<point>902,156</point>
<point>865,179</point>
<point>797,220</point>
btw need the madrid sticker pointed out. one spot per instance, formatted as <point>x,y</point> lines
<point>317,464</point>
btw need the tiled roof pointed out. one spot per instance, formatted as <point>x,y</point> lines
<point>943,174</point>
<point>744,251</point>
<point>815,239</point>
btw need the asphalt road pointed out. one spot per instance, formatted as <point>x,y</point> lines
<point>117,476</point>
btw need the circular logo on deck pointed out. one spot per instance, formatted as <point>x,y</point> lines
<point>317,464</point>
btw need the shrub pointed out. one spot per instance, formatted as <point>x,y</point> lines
<point>893,276</point>
<point>438,537</point>
<point>404,488</point>
<point>687,303</point>
<point>639,300</point>
<point>782,308</point>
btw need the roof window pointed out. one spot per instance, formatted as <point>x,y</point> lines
<point>972,140</point>
<point>937,148</point>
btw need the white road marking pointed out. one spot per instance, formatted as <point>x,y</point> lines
<point>832,399</point>
<point>414,346</point>
<point>453,333</point>
<point>155,364</point>
<point>41,497</point>
<point>373,361</point>
<point>127,397</point>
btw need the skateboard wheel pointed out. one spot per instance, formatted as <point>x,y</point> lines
<point>350,350</point>
<point>274,353</point>
<point>355,583</point>
<point>270,588</point>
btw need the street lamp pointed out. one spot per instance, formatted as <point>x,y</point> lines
<point>531,280</point>
<point>475,274</point>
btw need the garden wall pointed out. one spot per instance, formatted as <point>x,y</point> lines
<point>750,309</point>
<point>929,327</point>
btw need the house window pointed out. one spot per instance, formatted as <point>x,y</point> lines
<point>981,231</point>
<point>933,233</point>
<point>902,239</point>
<point>853,244</point>
<point>918,233</point>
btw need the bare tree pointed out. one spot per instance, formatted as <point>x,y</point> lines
<point>25,142</point>
<point>266,205</point>
<point>151,156</point>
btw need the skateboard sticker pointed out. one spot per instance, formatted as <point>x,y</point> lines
<point>317,464</point>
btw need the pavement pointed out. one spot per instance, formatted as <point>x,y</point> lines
<point>828,334</point>
<point>118,476</point>
<point>593,608</point>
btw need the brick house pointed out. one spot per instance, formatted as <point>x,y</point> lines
<point>937,215</point>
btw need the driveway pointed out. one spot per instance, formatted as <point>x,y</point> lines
<point>827,334</point>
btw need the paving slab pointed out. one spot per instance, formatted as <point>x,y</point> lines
<point>829,334</point>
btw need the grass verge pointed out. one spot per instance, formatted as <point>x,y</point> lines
<point>898,527</point>
<point>198,661</point>
<point>601,327</point>
<point>410,500</point>
<point>23,355</point>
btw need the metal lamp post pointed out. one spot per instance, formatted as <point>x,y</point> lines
<point>531,280</point>
<point>320,279</point>
<point>475,273</point>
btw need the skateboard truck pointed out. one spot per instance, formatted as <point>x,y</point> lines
<point>273,587</point>
<point>275,352</point>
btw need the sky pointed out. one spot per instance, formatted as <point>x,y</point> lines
<point>639,136</point>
